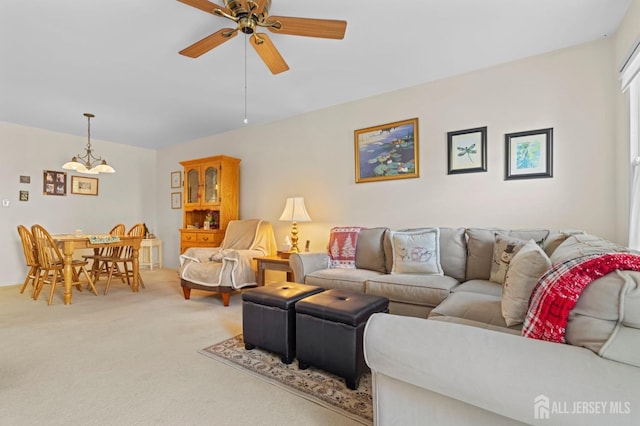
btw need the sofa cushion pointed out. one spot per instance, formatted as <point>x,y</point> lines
<point>479,252</point>
<point>504,250</point>
<point>480,286</point>
<point>556,238</point>
<point>480,247</point>
<point>473,306</point>
<point>416,252</point>
<point>345,279</point>
<point>583,244</point>
<point>474,324</point>
<point>453,252</point>
<point>528,265</point>
<point>425,290</point>
<point>342,246</point>
<point>370,249</point>
<point>606,318</point>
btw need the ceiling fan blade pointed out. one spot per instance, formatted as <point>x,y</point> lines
<point>205,5</point>
<point>323,28</point>
<point>269,54</point>
<point>260,4</point>
<point>209,42</point>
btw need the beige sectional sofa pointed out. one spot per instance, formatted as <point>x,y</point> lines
<point>465,364</point>
<point>465,257</point>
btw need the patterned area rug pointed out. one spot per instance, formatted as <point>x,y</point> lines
<point>315,385</point>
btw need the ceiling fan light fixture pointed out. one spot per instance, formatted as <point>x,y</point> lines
<point>251,14</point>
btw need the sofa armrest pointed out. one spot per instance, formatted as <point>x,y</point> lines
<point>498,372</point>
<point>303,264</point>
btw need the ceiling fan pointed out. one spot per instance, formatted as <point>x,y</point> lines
<point>249,15</point>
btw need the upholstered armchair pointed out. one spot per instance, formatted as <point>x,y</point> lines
<point>231,266</point>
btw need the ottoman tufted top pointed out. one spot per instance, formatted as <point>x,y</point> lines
<point>281,295</point>
<point>342,306</point>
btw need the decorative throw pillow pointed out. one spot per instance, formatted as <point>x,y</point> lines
<point>524,271</point>
<point>342,246</point>
<point>416,252</point>
<point>370,250</point>
<point>504,249</point>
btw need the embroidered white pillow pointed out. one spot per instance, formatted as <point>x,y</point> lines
<point>526,268</point>
<point>416,252</point>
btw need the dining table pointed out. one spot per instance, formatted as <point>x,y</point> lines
<point>71,242</point>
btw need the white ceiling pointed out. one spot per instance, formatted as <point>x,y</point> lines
<point>119,59</point>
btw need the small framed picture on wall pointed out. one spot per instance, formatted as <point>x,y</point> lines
<point>529,155</point>
<point>467,151</point>
<point>84,185</point>
<point>176,200</point>
<point>176,179</point>
<point>54,183</point>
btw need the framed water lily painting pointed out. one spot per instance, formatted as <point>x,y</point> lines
<point>529,155</point>
<point>467,151</point>
<point>388,151</point>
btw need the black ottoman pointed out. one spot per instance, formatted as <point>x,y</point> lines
<point>329,329</point>
<point>268,317</point>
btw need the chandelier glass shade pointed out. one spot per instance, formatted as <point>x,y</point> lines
<point>87,163</point>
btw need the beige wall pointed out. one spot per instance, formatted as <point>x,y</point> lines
<point>312,155</point>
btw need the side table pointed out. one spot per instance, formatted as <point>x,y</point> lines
<point>146,252</point>
<point>274,263</point>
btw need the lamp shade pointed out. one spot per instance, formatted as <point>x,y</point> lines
<point>295,211</point>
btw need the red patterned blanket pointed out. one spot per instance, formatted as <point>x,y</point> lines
<point>557,292</point>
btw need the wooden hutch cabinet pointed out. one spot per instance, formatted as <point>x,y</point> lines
<point>211,188</point>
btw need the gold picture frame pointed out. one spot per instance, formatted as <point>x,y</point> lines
<point>387,152</point>
<point>84,185</point>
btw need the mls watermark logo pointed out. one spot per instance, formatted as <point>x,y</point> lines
<point>541,407</point>
<point>544,407</point>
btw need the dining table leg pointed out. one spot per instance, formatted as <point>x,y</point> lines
<point>67,250</point>
<point>136,267</point>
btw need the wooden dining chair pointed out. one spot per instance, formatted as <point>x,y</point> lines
<point>52,265</point>
<point>100,256</point>
<point>31,259</point>
<point>125,257</point>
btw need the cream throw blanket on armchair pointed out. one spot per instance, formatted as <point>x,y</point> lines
<point>231,264</point>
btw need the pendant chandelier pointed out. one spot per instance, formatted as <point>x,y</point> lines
<point>87,163</point>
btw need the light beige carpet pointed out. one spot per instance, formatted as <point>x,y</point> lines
<point>314,384</point>
<point>131,359</point>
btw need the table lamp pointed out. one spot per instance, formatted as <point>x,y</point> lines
<point>295,211</point>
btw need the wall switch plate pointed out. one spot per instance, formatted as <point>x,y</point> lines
<point>5,202</point>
